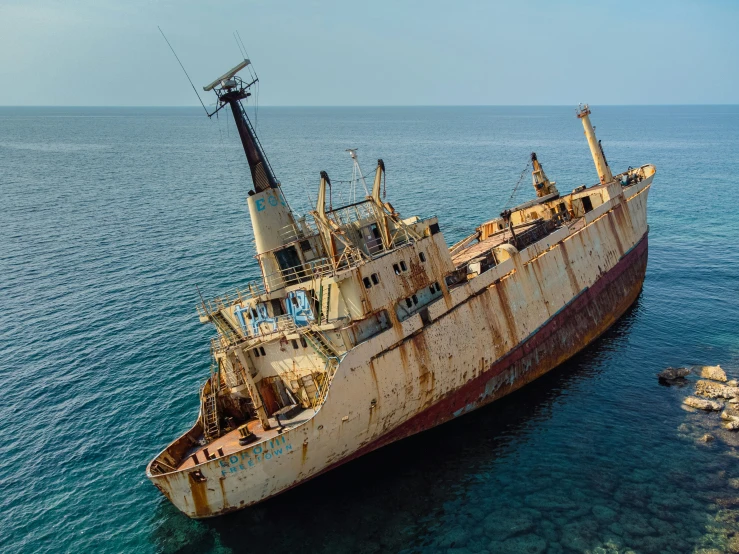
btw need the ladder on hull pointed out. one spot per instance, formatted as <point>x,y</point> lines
<point>323,347</point>
<point>209,407</point>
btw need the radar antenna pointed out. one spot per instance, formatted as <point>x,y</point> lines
<point>230,90</point>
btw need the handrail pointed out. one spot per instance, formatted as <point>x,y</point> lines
<point>315,269</point>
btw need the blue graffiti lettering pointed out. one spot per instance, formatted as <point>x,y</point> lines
<point>260,205</point>
<point>233,459</point>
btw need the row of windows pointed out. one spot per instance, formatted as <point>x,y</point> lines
<point>402,267</point>
<point>260,351</point>
<point>398,268</point>
<point>373,279</point>
<point>413,300</point>
<point>302,342</point>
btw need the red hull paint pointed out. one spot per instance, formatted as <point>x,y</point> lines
<point>570,330</point>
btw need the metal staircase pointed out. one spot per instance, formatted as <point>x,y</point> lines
<point>323,347</point>
<point>324,301</point>
<point>209,407</point>
<point>230,334</point>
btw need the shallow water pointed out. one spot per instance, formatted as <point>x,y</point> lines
<point>111,216</point>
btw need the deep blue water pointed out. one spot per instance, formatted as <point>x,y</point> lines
<point>110,217</point>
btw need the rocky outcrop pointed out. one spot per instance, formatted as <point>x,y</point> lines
<point>673,373</point>
<point>713,372</point>
<point>712,389</point>
<point>703,404</point>
<point>730,416</point>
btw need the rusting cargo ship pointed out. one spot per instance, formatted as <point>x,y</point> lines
<point>366,327</point>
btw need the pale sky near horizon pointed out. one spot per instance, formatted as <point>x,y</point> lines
<point>311,53</point>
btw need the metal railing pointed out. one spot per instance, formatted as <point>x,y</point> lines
<point>351,213</point>
<point>303,229</point>
<point>252,290</point>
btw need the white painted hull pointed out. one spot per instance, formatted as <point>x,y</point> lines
<point>484,339</point>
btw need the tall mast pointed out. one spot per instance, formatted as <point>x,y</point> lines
<point>271,216</point>
<point>599,158</point>
<point>261,172</point>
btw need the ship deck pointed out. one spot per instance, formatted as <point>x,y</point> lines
<point>476,249</point>
<point>230,441</point>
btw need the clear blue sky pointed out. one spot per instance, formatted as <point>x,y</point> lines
<point>310,53</point>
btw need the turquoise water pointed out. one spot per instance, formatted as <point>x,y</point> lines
<point>110,217</point>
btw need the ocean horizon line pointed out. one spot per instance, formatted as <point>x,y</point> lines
<point>377,106</point>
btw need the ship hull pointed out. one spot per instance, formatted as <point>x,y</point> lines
<point>573,328</point>
<point>486,339</point>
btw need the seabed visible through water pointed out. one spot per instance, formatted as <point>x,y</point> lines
<point>111,216</point>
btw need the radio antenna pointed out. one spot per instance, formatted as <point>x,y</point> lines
<point>238,45</point>
<point>183,69</point>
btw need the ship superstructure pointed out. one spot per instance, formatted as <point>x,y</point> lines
<point>366,327</point>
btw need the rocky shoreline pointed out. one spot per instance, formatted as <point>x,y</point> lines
<point>714,394</point>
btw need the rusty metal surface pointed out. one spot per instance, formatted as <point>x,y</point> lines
<point>485,339</point>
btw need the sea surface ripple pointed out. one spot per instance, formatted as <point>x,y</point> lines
<point>110,217</point>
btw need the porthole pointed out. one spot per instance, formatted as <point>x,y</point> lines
<point>408,302</point>
<point>295,344</point>
<point>366,282</point>
<point>375,278</point>
<point>415,299</point>
<point>396,269</point>
<point>422,256</point>
<point>303,343</point>
<point>261,349</point>
<point>403,266</point>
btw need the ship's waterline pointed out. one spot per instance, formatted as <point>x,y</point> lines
<point>367,327</point>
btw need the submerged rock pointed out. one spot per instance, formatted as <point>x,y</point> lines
<point>603,513</point>
<point>523,544</point>
<point>503,525</point>
<point>713,372</point>
<point>703,404</point>
<point>707,437</point>
<point>715,390</point>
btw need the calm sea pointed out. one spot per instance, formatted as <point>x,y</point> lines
<point>111,217</point>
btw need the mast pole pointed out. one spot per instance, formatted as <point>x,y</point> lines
<point>271,217</point>
<point>596,150</point>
